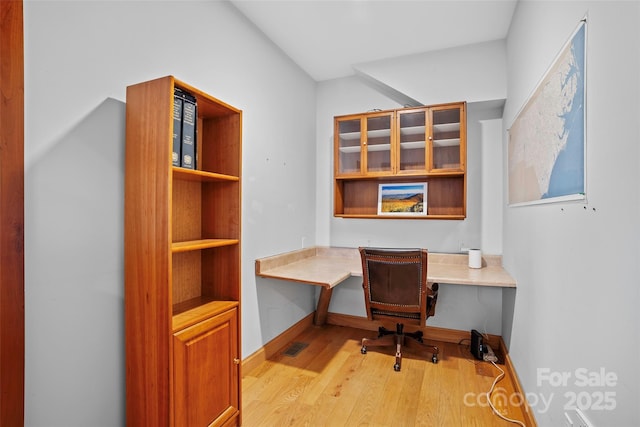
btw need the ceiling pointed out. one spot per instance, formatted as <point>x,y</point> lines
<point>326,38</point>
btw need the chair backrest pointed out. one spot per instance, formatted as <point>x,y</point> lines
<point>395,284</point>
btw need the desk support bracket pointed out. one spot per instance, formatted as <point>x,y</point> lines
<point>320,318</point>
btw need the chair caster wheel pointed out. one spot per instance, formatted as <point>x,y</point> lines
<point>396,367</point>
<point>363,350</point>
<point>434,358</point>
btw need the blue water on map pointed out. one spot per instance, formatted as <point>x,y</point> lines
<point>567,175</point>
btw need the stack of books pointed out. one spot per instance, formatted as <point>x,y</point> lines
<point>184,129</point>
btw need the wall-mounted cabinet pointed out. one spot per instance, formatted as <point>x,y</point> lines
<point>364,144</point>
<point>426,144</point>
<point>182,262</point>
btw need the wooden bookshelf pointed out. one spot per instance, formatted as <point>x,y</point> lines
<point>182,263</point>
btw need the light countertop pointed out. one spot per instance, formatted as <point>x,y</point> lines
<point>329,266</point>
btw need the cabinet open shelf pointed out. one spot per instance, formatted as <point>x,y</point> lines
<point>375,216</point>
<point>205,273</point>
<point>359,196</point>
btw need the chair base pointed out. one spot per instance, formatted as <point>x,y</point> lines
<point>387,337</point>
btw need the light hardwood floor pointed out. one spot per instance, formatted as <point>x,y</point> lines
<point>330,383</point>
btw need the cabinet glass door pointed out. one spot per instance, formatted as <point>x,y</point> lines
<point>412,141</point>
<point>446,146</point>
<point>378,144</point>
<point>349,147</point>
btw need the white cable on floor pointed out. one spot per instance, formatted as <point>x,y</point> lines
<point>495,411</point>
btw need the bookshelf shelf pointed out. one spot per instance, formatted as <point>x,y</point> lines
<point>196,245</point>
<point>191,312</point>
<point>201,176</point>
<point>448,142</point>
<point>182,261</point>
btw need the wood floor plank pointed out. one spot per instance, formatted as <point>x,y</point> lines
<point>330,383</point>
<point>343,389</point>
<point>372,390</point>
<point>332,361</point>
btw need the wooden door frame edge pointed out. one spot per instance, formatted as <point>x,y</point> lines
<point>12,319</point>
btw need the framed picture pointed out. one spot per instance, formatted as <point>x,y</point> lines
<point>406,199</point>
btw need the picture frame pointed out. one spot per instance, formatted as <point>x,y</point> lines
<point>402,199</point>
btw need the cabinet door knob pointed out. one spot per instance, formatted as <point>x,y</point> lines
<point>236,361</point>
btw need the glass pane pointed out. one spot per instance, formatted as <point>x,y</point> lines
<point>349,146</point>
<point>379,144</point>
<point>412,141</point>
<point>446,139</point>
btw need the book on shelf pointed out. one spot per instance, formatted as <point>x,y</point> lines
<point>177,127</point>
<point>188,147</point>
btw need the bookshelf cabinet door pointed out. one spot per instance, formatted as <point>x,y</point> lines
<point>206,372</point>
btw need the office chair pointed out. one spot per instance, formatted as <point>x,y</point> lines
<point>395,288</point>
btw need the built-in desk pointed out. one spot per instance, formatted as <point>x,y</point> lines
<point>329,266</point>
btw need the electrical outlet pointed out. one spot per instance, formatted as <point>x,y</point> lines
<point>489,356</point>
<point>576,418</point>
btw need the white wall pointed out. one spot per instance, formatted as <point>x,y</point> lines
<point>472,73</point>
<point>577,264</point>
<point>79,58</point>
<point>492,186</point>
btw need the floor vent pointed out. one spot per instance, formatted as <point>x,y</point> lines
<point>295,348</point>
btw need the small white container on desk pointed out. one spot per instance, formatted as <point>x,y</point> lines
<point>475,258</point>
